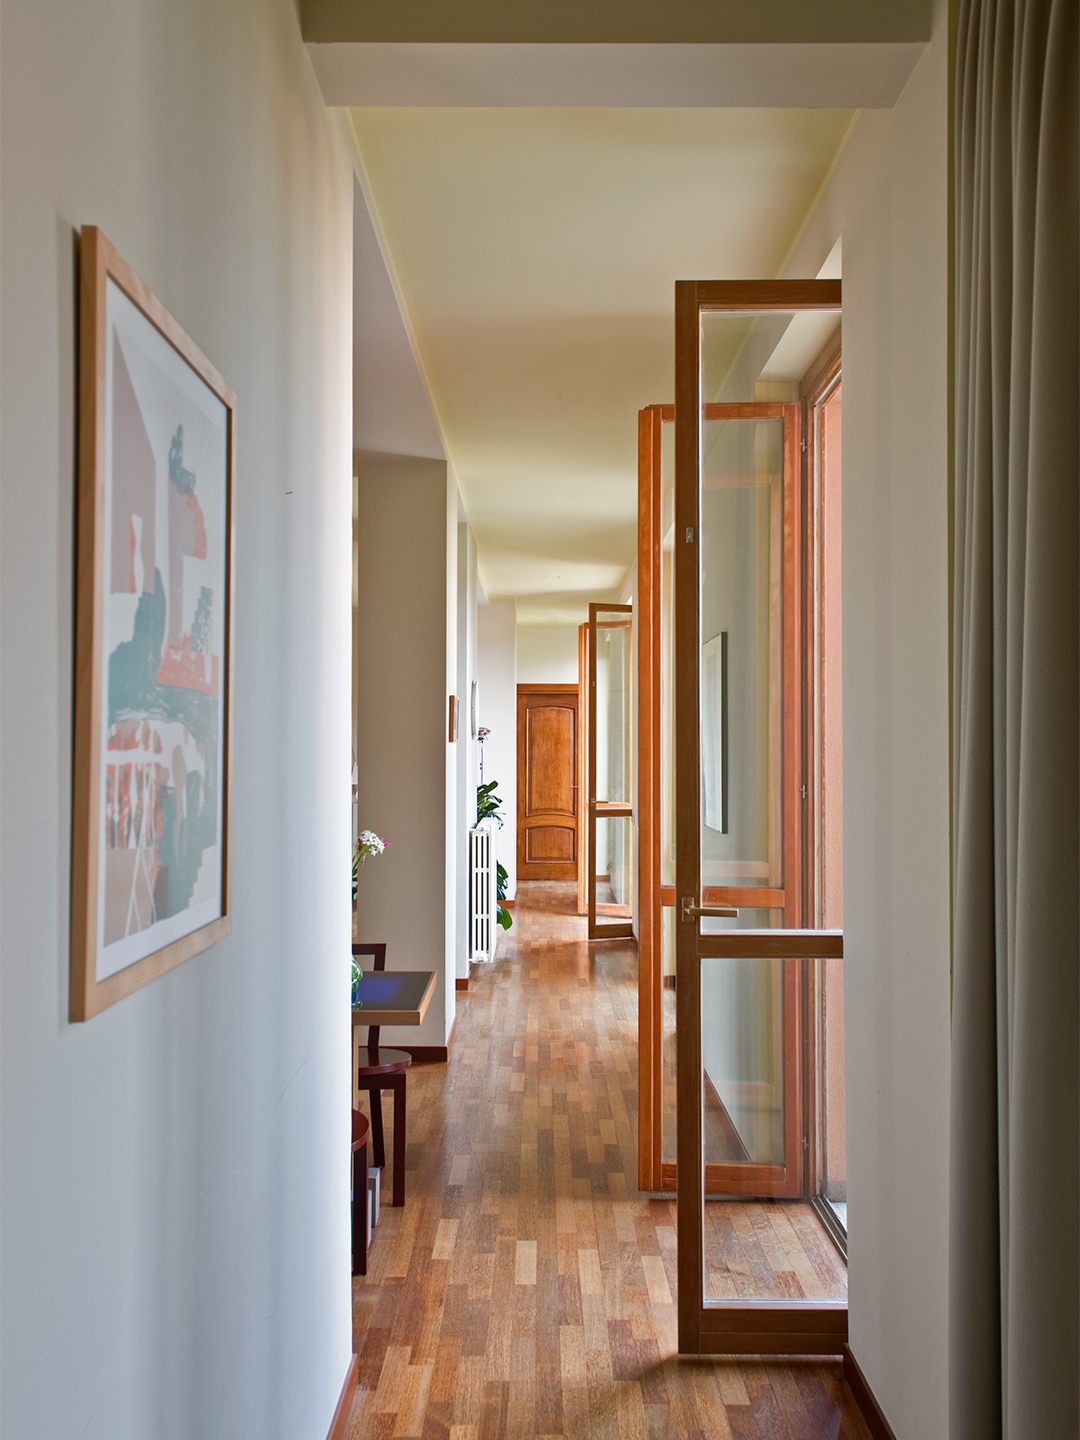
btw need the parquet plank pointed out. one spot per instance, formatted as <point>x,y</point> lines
<point>527,1288</point>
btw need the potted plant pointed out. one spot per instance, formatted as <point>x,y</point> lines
<point>487,808</point>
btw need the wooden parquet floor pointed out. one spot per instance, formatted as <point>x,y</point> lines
<point>526,1288</point>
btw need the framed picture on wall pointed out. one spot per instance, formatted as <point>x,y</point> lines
<point>153,640</point>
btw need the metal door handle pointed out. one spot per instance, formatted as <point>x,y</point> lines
<point>689,910</point>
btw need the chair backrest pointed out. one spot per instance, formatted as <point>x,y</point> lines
<point>377,951</point>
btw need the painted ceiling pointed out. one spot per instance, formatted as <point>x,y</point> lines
<point>535,253</point>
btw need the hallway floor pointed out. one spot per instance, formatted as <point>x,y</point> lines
<point>526,1288</point>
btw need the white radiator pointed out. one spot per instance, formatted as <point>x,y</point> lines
<point>483,893</point>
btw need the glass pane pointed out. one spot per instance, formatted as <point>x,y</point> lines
<point>765,1250</point>
<point>742,1052</point>
<point>834,1177</point>
<point>668,1138</point>
<point>667,669</point>
<point>613,863</point>
<point>613,659</point>
<point>760,356</point>
<point>741,701</point>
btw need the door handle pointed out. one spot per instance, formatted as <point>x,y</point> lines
<point>690,910</point>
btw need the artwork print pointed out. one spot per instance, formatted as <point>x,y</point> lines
<point>157,764</point>
<point>165,456</point>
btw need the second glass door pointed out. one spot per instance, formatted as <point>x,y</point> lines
<point>610,846</point>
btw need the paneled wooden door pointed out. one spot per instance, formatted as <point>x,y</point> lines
<point>547,782</point>
<point>740,785</point>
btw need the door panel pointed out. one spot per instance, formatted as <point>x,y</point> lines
<point>738,779</point>
<point>547,782</point>
<point>549,741</point>
<point>546,842</point>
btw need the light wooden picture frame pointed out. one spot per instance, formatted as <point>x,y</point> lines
<point>151,817</point>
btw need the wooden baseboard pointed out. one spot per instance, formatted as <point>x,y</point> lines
<point>871,1412</point>
<point>460,984</point>
<point>340,1422</point>
<point>438,1053</point>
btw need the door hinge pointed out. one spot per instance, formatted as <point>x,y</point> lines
<point>689,535</point>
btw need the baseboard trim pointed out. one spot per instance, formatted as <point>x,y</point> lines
<point>340,1422</point>
<point>871,1412</point>
<point>460,984</point>
<point>440,1054</point>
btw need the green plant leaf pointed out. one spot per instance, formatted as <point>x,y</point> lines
<point>487,802</point>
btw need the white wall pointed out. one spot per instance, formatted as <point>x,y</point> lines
<point>547,654</point>
<point>406,777</point>
<point>497,632</point>
<point>889,201</point>
<point>175,1182</point>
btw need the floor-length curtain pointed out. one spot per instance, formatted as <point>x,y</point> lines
<point>1015,1214</point>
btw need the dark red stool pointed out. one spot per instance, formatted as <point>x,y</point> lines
<point>379,1068</point>
<point>361,1132</point>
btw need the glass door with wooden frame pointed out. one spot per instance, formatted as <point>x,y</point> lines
<point>610,772</point>
<point>743,949</point>
<point>750,847</point>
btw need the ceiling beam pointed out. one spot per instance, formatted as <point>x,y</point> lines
<point>616,21</point>
<point>851,76</point>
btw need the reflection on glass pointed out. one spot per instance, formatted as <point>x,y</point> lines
<point>613,862</point>
<point>613,659</point>
<point>832,1084</point>
<point>747,919</point>
<point>741,570</point>
<point>762,356</point>
<point>742,1026</point>
<point>667,666</point>
<point>668,1139</point>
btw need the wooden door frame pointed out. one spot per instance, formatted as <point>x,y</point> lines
<point>654,1173</point>
<point>650,898</point>
<point>609,930</point>
<point>584,859</point>
<point>721,1328</point>
<point>554,689</point>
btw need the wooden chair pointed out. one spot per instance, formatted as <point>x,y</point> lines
<point>378,1069</point>
<point>361,1131</point>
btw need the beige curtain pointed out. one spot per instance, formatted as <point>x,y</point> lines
<point>1015,1216</point>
